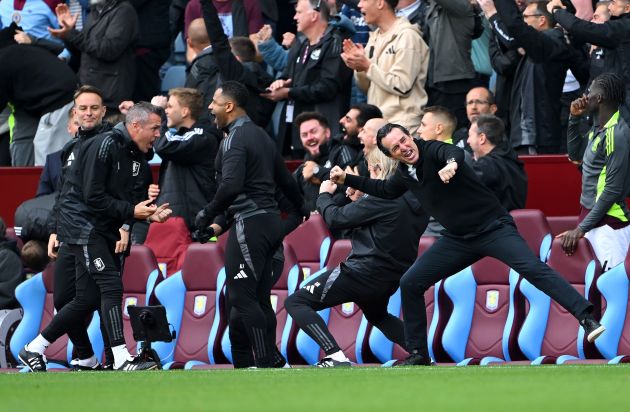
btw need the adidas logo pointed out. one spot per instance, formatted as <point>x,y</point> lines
<point>241,275</point>
<point>311,288</point>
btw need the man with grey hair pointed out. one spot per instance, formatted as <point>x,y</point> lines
<point>94,219</point>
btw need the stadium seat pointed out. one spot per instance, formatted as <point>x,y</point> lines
<point>35,295</point>
<point>549,333</point>
<point>191,299</point>
<point>175,76</point>
<point>484,320</point>
<point>339,252</point>
<point>533,226</point>
<point>284,286</point>
<point>179,49</point>
<point>559,224</point>
<point>311,243</point>
<point>169,242</point>
<point>140,276</point>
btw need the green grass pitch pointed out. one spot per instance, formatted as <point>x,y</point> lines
<point>516,388</point>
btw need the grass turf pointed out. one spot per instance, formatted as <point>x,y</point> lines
<point>546,388</point>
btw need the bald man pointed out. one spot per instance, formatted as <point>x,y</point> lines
<point>479,100</point>
<point>203,74</point>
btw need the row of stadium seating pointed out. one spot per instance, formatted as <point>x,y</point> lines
<point>486,314</point>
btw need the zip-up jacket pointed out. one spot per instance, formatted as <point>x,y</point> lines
<point>249,168</point>
<point>385,236</point>
<point>101,188</point>
<point>187,172</point>
<point>464,206</point>
<point>605,169</point>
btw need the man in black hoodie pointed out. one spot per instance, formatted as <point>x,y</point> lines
<point>35,82</point>
<point>476,225</point>
<point>10,269</point>
<point>495,162</point>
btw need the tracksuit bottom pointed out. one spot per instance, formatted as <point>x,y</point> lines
<point>449,255</point>
<point>341,285</point>
<point>98,287</point>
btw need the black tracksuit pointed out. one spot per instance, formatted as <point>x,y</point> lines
<point>99,192</point>
<point>476,226</point>
<point>384,244</point>
<point>249,168</point>
<point>187,172</point>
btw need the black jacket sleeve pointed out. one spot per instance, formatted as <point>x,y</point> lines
<point>388,189</point>
<point>190,149</point>
<point>602,35</point>
<point>539,47</point>
<point>98,161</point>
<point>361,212</point>
<point>10,278</point>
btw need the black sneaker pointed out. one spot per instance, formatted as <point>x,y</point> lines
<point>414,359</point>
<point>592,328</point>
<point>75,367</point>
<point>137,364</point>
<point>33,360</point>
<point>331,363</point>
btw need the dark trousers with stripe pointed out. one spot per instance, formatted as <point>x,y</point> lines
<point>98,287</point>
<point>248,265</point>
<point>341,285</point>
<point>450,255</point>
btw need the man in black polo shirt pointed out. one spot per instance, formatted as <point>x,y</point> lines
<point>476,225</point>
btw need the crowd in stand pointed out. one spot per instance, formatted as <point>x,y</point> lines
<point>495,78</point>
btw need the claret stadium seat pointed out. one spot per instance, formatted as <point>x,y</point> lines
<point>534,228</point>
<point>311,243</point>
<point>192,301</point>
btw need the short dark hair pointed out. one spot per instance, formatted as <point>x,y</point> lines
<point>236,92</point>
<point>243,48</point>
<point>86,88</point>
<point>322,8</point>
<point>392,3</point>
<point>34,255</point>
<point>366,112</point>
<point>384,131</point>
<point>613,87</point>
<point>449,118</point>
<point>491,126</point>
<point>306,116</point>
<point>541,9</point>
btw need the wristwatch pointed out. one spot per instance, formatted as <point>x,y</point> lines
<point>125,227</point>
<point>451,160</point>
<point>315,169</point>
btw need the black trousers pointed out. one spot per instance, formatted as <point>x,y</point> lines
<point>98,287</point>
<point>341,285</point>
<point>242,355</point>
<point>450,255</point>
<point>63,293</point>
<point>248,266</point>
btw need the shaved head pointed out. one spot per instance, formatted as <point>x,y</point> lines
<point>197,33</point>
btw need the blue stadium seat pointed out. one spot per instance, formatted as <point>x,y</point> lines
<point>175,76</point>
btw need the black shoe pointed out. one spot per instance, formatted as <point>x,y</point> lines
<point>108,367</point>
<point>33,360</point>
<point>592,328</point>
<point>331,363</point>
<point>137,364</point>
<point>75,367</point>
<point>414,359</point>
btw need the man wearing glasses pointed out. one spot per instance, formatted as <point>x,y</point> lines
<point>479,100</point>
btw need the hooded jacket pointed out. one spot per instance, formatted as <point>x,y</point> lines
<point>385,233</point>
<point>10,273</point>
<point>101,188</point>
<point>504,174</point>
<point>395,80</point>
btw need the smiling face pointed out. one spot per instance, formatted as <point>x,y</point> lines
<point>144,134</point>
<point>349,125</point>
<point>619,7</point>
<point>219,107</point>
<point>370,10</point>
<point>313,135</point>
<point>305,16</point>
<point>401,146</point>
<point>174,112</point>
<point>89,110</point>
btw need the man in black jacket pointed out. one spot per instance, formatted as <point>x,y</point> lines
<point>495,162</point>
<point>94,218</point>
<point>613,36</point>
<point>106,44</point>
<point>36,83</point>
<point>10,269</point>
<point>539,77</point>
<point>315,79</point>
<point>476,225</point>
<point>186,180</point>
<point>249,169</point>
<point>385,235</point>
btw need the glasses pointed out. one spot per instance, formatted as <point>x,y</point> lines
<point>318,7</point>
<point>476,102</point>
<point>531,15</point>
